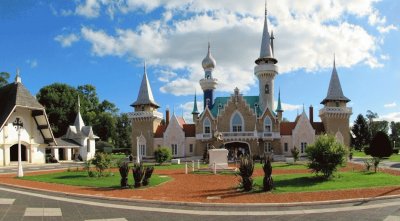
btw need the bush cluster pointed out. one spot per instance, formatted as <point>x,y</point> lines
<point>162,155</point>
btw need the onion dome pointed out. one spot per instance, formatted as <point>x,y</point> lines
<point>209,62</point>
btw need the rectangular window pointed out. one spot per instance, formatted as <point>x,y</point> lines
<point>303,147</point>
<point>191,148</point>
<point>207,130</point>
<point>267,128</point>
<point>142,150</point>
<point>286,147</point>
<point>267,147</point>
<point>174,149</point>
<point>88,146</point>
<point>237,128</point>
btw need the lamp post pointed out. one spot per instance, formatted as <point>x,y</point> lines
<point>19,125</point>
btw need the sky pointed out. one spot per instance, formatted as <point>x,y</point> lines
<point>105,43</point>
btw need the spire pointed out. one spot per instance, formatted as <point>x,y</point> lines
<point>335,92</point>
<point>145,96</point>
<point>272,42</point>
<point>195,110</point>
<point>78,120</point>
<point>17,77</point>
<point>279,108</point>
<point>266,50</point>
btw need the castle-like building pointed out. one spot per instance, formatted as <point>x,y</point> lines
<point>242,124</point>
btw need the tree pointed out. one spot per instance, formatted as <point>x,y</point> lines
<point>104,127</point>
<point>101,161</point>
<point>4,78</point>
<point>162,155</point>
<point>395,134</point>
<point>360,130</point>
<point>123,130</point>
<point>380,145</point>
<point>60,101</point>
<point>377,126</point>
<point>325,155</point>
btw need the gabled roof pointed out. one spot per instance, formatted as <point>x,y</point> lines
<point>16,95</point>
<point>160,131</point>
<point>335,92</point>
<point>145,96</point>
<point>64,142</point>
<point>288,127</point>
<point>221,102</point>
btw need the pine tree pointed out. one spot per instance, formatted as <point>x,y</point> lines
<point>360,130</point>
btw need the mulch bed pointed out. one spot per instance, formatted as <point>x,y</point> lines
<point>196,188</point>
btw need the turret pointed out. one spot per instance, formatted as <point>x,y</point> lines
<point>266,68</point>
<point>335,114</point>
<point>208,83</point>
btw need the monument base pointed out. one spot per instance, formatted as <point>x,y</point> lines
<point>219,157</point>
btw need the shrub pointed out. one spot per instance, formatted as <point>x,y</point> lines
<point>367,164</point>
<point>268,182</point>
<point>380,145</point>
<point>376,161</point>
<point>124,171</point>
<point>246,169</point>
<point>147,174</point>
<point>101,161</point>
<point>295,153</point>
<point>162,155</point>
<point>138,172</point>
<point>325,155</point>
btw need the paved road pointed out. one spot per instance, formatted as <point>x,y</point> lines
<point>21,204</point>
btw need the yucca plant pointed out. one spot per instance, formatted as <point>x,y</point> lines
<point>138,172</point>
<point>268,183</point>
<point>246,169</point>
<point>147,174</point>
<point>124,171</point>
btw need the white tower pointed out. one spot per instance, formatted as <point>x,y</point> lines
<point>208,83</point>
<point>266,69</point>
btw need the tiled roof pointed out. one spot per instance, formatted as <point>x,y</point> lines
<point>63,142</point>
<point>318,127</point>
<point>181,121</point>
<point>287,128</point>
<point>145,96</point>
<point>190,130</point>
<point>160,131</point>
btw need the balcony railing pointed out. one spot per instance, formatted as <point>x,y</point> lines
<point>336,110</point>
<point>144,114</point>
<point>242,135</point>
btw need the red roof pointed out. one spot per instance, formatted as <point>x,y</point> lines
<point>318,127</point>
<point>190,130</point>
<point>181,121</point>
<point>160,131</point>
<point>287,128</point>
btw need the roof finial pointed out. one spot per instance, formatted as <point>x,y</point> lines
<point>145,66</point>
<point>79,104</point>
<point>334,60</point>
<point>265,8</point>
<point>17,77</point>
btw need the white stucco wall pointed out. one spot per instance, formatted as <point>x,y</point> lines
<point>303,133</point>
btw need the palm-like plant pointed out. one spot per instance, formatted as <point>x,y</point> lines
<point>138,172</point>
<point>246,169</point>
<point>268,182</point>
<point>147,174</point>
<point>124,171</point>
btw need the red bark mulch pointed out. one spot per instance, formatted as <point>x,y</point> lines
<point>196,188</point>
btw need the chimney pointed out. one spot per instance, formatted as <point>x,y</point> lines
<point>311,114</point>
<point>167,116</point>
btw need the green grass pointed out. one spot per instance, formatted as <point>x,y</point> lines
<point>283,166</point>
<point>80,178</point>
<point>342,180</point>
<point>393,158</point>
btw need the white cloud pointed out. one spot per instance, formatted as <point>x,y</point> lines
<point>33,63</point>
<point>395,116</point>
<point>289,107</point>
<point>166,76</point>
<point>307,35</point>
<point>66,40</point>
<point>187,109</point>
<point>390,105</point>
<point>386,29</point>
<point>89,9</point>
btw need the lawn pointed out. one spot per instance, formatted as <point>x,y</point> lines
<point>393,158</point>
<point>342,180</point>
<point>80,178</point>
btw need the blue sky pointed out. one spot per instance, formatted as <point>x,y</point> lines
<point>104,43</point>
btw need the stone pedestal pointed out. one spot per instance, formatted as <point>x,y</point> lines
<point>219,157</point>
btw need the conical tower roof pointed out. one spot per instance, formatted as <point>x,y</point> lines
<point>279,108</point>
<point>335,92</point>
<point>78,119</point>
<point>266,50</point>
<point>145,96</point>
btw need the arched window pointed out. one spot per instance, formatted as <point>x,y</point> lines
<point>237,123</point>
<point>207,126</point>
<point>267,124</point>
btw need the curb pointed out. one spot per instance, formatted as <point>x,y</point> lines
<point>201,204</point>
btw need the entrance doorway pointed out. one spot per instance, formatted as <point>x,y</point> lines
<point>61,154</point>
<point>14,153</point>
<point>237,149</point>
